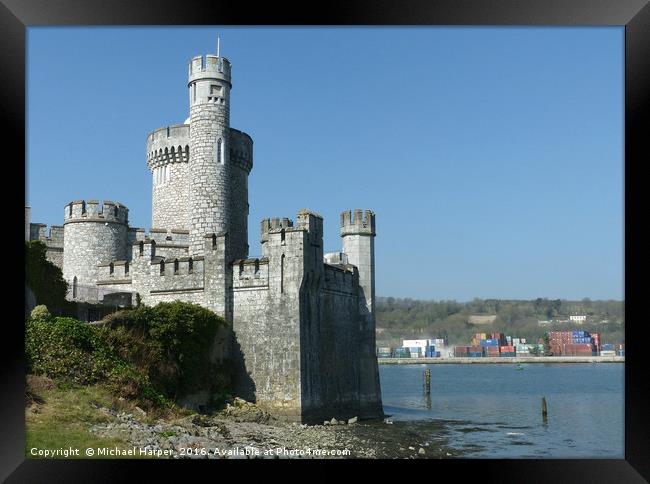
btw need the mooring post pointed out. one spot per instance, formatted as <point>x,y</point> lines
<point>544,410</point>
<point>427,381</point>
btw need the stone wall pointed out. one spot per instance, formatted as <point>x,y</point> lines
<point>170,197</point>
<point>168,154</point>
<point>266,325</point>
<point>330,338</point>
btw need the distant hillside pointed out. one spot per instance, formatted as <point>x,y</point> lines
<point>399,319</point>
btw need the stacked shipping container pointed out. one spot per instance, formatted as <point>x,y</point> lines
<point>574,343</point>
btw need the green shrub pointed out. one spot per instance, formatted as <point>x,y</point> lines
<point>73,351</point>
<point>172,342</point>
<point>40,313</point>
<point>155,354</point>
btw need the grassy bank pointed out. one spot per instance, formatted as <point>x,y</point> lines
<point>58,416</point>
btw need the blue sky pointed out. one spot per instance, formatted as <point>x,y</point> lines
<point>493,157</point>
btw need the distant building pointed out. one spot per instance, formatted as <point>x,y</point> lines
<point>481,319</point>
<point>578,319</point>
<point>415,343</point>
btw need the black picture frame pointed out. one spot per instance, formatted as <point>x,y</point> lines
<point>17,15</point>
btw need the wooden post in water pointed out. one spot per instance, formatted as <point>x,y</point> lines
<point>427,381</point>
<point>544,410</point>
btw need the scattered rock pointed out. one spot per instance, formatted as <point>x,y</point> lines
<point>333,421</point>
<point>421,451</point>
<point>353,420</point>
<point>140,411</point>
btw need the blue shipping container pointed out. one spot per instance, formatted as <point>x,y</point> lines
<point>474,354</point>
<point>489,342</point>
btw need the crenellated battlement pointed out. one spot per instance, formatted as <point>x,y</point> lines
<point>96,211</point>
<point>357,222</point>
<point>250,273</point>
<point>170,144</point>
<point>241,150</point>
<point>313,223</point>
<point>274,224</point>
<point>209,67</point>
<point>51,236</point>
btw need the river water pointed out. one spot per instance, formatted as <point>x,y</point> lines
<point>494,410</point>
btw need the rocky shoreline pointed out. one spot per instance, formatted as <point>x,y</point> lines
<point>243,431</point>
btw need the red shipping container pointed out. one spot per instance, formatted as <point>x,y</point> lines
<point>460,351</point>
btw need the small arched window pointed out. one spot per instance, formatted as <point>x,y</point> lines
<point>282,274</point>
<point>141,247</point>
<point>282,237</point>
<point>83,207</point>
<point>214,240</point>
<point>115,211</point>
<point>257,267</point>
<point>162,267</point>
<point>74,285</point>
<point>175,266</point>
<point>190,266</point>
<point>111,268</point>
<point>219,154</point>
<point>241,268</point>
<point>126,268</point>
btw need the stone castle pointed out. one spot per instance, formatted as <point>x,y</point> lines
<point>301,321</point>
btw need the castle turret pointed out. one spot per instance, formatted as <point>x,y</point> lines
<point>358,233</point>
<point>168,154</point>
<point>209,167</point>
<point>93,234</point>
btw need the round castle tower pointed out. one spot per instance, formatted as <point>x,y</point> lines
<point>168,154</point>
<point>209,206</point>
<point>92,234</point>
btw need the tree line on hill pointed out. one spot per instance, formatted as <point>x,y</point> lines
<point>407,318</point>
